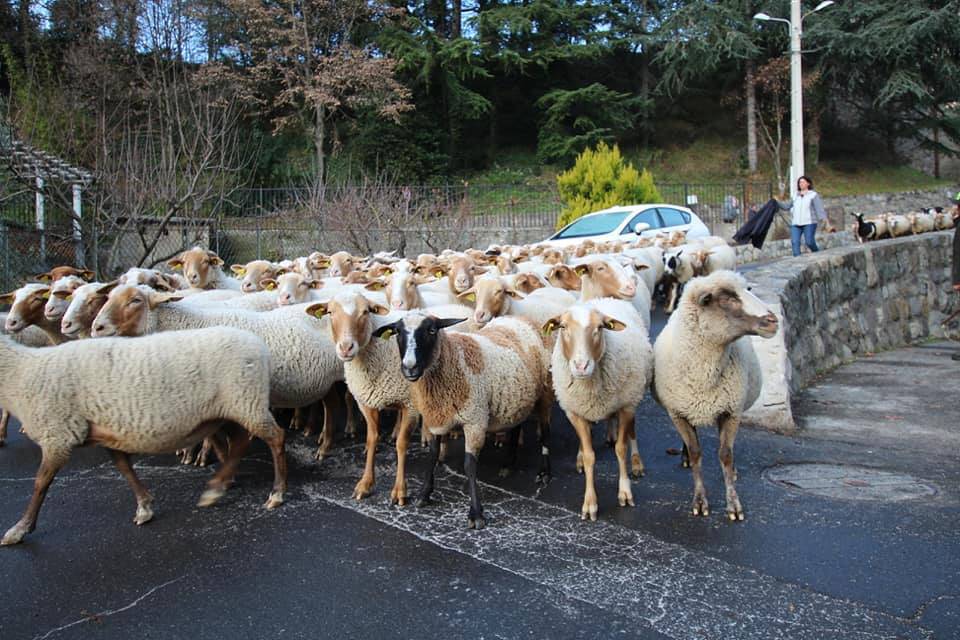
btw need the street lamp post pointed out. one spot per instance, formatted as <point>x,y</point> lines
<point>796,86</point>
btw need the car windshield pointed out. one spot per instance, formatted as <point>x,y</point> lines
<point>592,225</point>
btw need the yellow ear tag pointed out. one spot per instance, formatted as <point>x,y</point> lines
<point>439,274</point>
<point>319,313</point>
<point>472,297</point>
<point>45,295</point>
<point>69,298</point>
<point>389,272</point>
<point>270,286</point>
<point>386,335</point>
<point>241,272</point>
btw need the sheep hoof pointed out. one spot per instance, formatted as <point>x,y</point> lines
<point>14,535</point>
<point>625,499</point>
<point>398,495</point>
<point>504,472</point>
<point>636,465</point>
<point>274,500</point>
<point>363,489</point>
<point>210,497</point>
<point>424,501</point>
<point>589,511</point>
<point>700,505</point>
<point>476,522</point>
<point>543,479</point>
<point>144,514</point>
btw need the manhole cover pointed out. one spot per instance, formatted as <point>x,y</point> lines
<point>850,482</point>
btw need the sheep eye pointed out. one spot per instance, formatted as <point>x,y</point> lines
<point>432,331</point>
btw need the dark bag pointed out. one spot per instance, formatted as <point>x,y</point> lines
<point>755,229</point>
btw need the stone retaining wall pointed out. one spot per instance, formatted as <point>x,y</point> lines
<point>846,302</point>
<point>782,248</point>
<point>840,207</point>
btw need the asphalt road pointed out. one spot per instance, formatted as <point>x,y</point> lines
<point>323,565</point>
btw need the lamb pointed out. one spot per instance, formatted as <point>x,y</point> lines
<point>599,375</point>
<point>403,291</point>
<point>27,309</point>
<point>154,279</point>
<point>63,271</point>
<point>564,277</point>
<point>252,273</point>
<point>372,372</point>
<point>487,382</point>
<point>494,297</point>
<point>304,367</point>
<point>610,279</point>
<point>526,283</point>
<point>57,303</point>
<point>75,394</point>
<point>708,373</point>
<point>922,222</point>
<point>864,229</point>
<point>899,225</point>
<point>943,220</point>
<point>717,258</point>
<point>84,305</point>
<point>202,269</point>
<point>294,288</point>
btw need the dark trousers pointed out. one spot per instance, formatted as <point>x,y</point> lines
<point>807,231</point>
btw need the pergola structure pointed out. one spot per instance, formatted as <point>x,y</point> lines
<point>38,167</point>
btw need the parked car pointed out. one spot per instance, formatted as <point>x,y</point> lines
<point>622,223</point>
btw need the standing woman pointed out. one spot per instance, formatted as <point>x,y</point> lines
<point>808,211</point>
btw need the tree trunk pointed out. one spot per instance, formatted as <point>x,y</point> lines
<point>456,17</point>
<point>751,86</point>
<point>319,133</point>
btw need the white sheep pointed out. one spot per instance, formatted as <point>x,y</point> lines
<point>372,372</point>
<point>83,306</point>
<point>602,363</point>
<point>495,296</point>
<point>27,309</point>
<point>706,371</point>
<point>922,222</point>
<point>609,278</point>
<point>57,303</point>
<point>187,384</point>
<point>899,225</point>
<point>305,365</point>
<point>252,273</point>
<point>487,382</point>
<point>202,269</point>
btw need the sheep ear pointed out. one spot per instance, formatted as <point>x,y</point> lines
<point>705,299</point>
<point>386,331</point>
<point>612,324</point>
<point>550,325</point>
<point>469,295</point>
<point>443,323</point>
<point>423,279</point>
<point>581,269</point>
<point>45,293</point>
<point>314,284</point>
<point>513,293</point>
<point>477,271</point>
<point>87,274</point>
<point>63,295</point>
<point>322,263</point>
<point>268,284</point>
<point>215,259</point>
<point>376,285</point>
<point>318,310</point>
<point>43,277</point>
<point>175,263</point>
<point>378,309</point>
<point>157,298</point>
<point>108,287</point>
<point>238,269</point>
<point>161,285</point>
<point>639,265</point>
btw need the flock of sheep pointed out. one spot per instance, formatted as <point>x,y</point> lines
<point>198,360</point>
<point>894,225</point>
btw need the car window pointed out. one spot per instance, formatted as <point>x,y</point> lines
<point>592,225</point>
<point>649,216</point>
<point>673,217</point>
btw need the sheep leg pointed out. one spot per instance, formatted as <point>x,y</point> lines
<point>624,492</point>
<point>444,446</point>
<point>221,448</point>
<point>398,495</point>
<point>728,432</point>
<point>424,498</point>
<point>689,434</point>
<point>473,443</point>
<point>544,473</point>
<point>144,500</point>
<point>685,457</point>
<point>350,430</point>
<point>510,459</point>
<point>50,464</point>
<point>275,437</point>
<point>204,454</point>
<point>365,485</point>
<point>217,485</point>
<point>326,436</point>
<point>582,426</point>
<point>299,421</point>
<point>636,463</point>
<point>4,420</point>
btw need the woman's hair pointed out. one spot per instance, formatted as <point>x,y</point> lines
<point>807,178</point>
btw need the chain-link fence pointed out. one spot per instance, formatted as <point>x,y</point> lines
<point>281,223</point>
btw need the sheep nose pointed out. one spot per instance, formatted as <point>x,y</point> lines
<point>346,349</point>
<point>284,298</point>
<point>11,324</point>
<point>580,365</point>
<point>398,304</point>
<point>66,326</point>
<point>481,317</point>
<point>99,328</point>
<point>247,287</point>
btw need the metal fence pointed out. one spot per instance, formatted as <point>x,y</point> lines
<point>275,223</point>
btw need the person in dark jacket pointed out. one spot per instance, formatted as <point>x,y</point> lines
<point>808,212</point>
